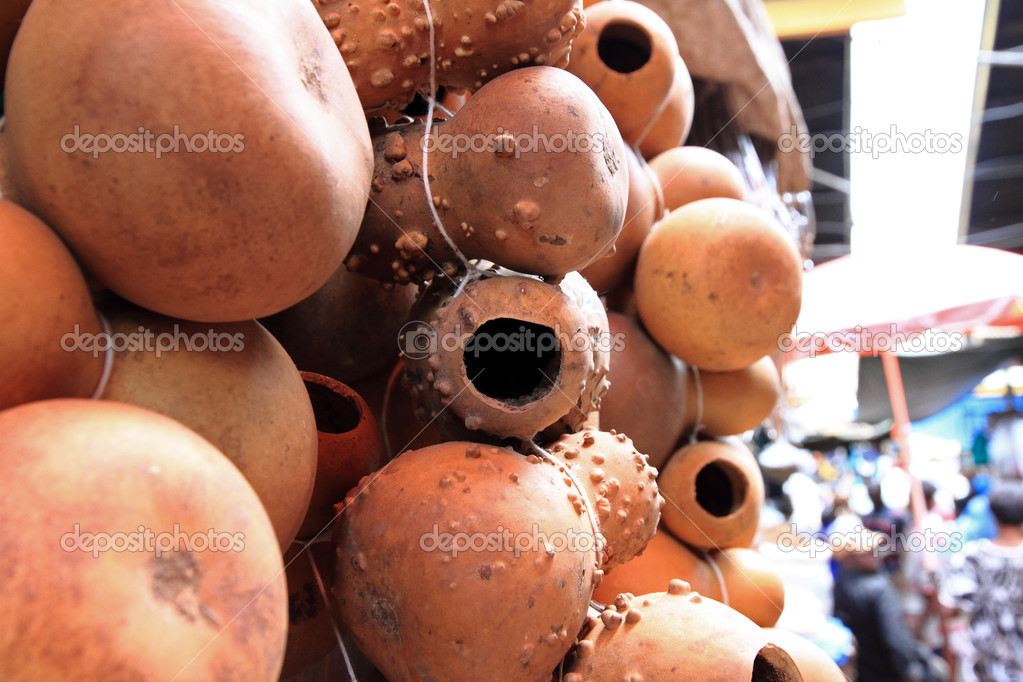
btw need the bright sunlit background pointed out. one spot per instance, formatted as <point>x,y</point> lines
<point>911,84</point>
<point>912,77</point>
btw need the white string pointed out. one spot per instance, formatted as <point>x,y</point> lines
<point>428,127</point>
<point>330,612</point>
<point>650,125</point>
<point>720,576</point>
<point>385,407</point>
<point>108,360</point>
<point>661,207</point>
<point>444,110</point>
<point>567,470</point>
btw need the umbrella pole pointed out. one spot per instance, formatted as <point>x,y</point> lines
<point>901,431</point>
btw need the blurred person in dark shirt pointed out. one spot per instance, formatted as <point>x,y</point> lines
<point>866,601</point>
<point>892,523</point>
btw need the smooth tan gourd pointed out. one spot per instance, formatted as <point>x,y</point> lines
<point>206,159</point>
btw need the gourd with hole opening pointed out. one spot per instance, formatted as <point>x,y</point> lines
<point>206,159</point>
<point>813,662</point>
<point>462,562</point>
<point>676,635</point>
<point>530,174</point>
<point>50,337</point>
<point>672,127</point>
<point>509,356</point>
<point>96,495</point>
<point>387,49</point>
<point>627,54</point>
<point>718,282</point>
<point>404,426</point>
<point>688,174</point>
<point>234,385</point>
<point>349,447</point>
<point>714,493</point>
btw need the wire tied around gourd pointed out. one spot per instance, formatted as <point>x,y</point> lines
<point>108,360</point>
<point>306,549</point>
<point>709,558</point>
<point>591,514</point>
<point>471,272</point>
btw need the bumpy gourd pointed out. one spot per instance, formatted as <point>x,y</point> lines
<point>676,635</point>
<point>487,575</point>
<point>621,485</point>
<point>530,174</point>
<point>386,45</point>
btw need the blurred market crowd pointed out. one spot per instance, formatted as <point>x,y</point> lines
<point>929,596</point>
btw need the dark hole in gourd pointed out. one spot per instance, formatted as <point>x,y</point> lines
<point>419,104</point>
<point>624,47</point>
<point>513,361</point>
<point>334,413</point>
<point>773,664</point>
<point>720,488</point>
